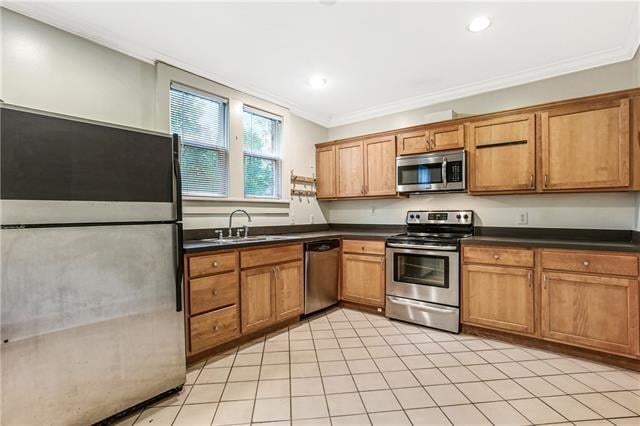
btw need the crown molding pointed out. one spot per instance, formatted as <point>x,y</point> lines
<point>45,13</point>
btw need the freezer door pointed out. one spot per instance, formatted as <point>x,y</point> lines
<point>56,169</point>
<point>89,321</point>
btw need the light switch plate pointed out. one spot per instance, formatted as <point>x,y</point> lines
<point>523,218</point>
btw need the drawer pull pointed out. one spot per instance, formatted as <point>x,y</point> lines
<point>496,257</point>
<point>586,263</point>
<point>214,292</point>
<point>216,328</point>
<point>216,264</point>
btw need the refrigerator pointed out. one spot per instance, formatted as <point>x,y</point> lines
<point>91,268</point>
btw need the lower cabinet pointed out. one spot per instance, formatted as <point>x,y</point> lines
<point>289,290</point>
<point>257,298</point>
<point>589,310</point>
<point>498,297</point>
<point>363,279</point>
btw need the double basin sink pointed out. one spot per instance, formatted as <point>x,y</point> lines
<point>241,240</point>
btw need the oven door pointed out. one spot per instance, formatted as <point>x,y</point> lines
<point>426,275</point>
<point>431,172</point>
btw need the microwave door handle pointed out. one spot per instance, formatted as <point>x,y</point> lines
<point>444,172</point>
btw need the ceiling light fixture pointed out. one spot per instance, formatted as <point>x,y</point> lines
<point>480,23</point>
<point>317,82</point>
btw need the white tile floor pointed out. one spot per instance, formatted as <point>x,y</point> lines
<point>351,368</point>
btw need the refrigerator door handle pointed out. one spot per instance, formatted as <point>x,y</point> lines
<point>179,267</point>
<point>178,176</point>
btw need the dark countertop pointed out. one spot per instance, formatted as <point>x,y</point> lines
<point>559,243</point>
<point>196,246</point>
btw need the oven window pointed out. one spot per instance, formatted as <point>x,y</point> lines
<point>431,271</point>
<point>420,174</point>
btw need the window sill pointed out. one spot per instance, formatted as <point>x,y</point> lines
<point>236,200</point>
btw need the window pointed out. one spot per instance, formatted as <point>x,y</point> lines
<point>262,162</point>
<point>200,119</point>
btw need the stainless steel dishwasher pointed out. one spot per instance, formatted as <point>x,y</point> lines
<point>321,274</point>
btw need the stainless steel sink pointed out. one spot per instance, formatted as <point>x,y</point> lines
<point>240,240</point>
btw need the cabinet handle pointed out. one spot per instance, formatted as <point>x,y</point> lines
<point>216,328</point>
<point>276,271</point>
<point>215,292</point>
<point>586,263</point>
<point>545,281</point>
<point>530,279</point>
<point>215,264</point>
<point>427,142</point>
<point>496,257</point>
<point>531,181</point>
<point>546,180</point>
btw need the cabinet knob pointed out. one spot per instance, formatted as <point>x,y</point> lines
<point>496,257</point>
<point>216,328</point>
<point>216,264</point>
<point>215,292</point>
<point>586,263</point>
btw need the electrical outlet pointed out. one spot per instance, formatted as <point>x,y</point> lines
<point>292,219</point>
<point>373,210</point>
<point>523,218</point>
<point>310,218</point>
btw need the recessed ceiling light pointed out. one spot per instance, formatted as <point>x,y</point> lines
<point>317,82</point>
<point>480,23</point>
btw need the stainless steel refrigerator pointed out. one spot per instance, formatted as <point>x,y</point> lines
<point>91,269</point>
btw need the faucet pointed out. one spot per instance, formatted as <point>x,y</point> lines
<point>246,227</point>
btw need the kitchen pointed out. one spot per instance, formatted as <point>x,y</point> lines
<point>294,247</point>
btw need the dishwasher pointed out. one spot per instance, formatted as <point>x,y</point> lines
<point>321,274</point>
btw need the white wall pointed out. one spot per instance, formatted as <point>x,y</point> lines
<point>606,211</point>
<point>50,69</point>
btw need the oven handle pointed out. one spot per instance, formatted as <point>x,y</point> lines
<point>426,306</point>
<point>422,247</point>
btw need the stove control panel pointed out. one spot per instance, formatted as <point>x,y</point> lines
<point>461,217</point>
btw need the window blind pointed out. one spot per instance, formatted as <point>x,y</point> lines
<point>262,138</point>
<point>200,119</point>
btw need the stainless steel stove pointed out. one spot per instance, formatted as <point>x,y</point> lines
<point>423,268</point>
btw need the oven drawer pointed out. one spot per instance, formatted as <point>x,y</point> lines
<point>498,256</point>
<point>436,316</point>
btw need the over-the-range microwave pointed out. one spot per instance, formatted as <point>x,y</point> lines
<point>436,171</point>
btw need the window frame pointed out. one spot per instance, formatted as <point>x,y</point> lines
<point>224,150</point>
<point>277,159</point>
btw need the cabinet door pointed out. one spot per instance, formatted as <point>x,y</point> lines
<point>326,172</point>
<point>502,154</point>
<point>257,290</point>
<point>586,146</point>
<point>592,311</point>
<point>380,165</point>
<point>448,137</point>
<point>498,297</point>
<point>414,142</point>
<point>363,279</point>
<point>289,290</point>
<point>350,173</point>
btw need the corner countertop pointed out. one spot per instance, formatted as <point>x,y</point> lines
<point>197,246</point>
<point>559,243</point>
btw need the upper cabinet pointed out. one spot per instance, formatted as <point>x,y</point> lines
<point>350,170</point>
<point>446,137</point>
<point>380,166</point>
<point>326,172</point>
<point>502,154</point>
<point>586,146</point>
<point>413,142</point>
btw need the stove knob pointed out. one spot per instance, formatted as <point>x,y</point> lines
<point>458,217</point>
<point>411,216</point>
<point>417,216</point>
<point>466,216</point>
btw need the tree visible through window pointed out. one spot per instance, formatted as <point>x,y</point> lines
<point>262,162</point>
<point>200,119</point>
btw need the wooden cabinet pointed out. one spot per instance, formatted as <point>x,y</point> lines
<point>257,289</point>
<point>597,312</point>
<point>446,137</point>
<point>210,329</point>
<point>271,287</point>
<point>412,142</point>
<point>289,290</point>
<point>502,154</point>
<point>363,275</point>
<point>498,297</point>
<point>326,172</point>
<point>380,166</point>
<point>586,146</point>
<point>350,169</point>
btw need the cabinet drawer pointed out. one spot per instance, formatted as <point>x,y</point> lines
<point>498,256</point>
<point>215,327</point>
<point>212,264</point>
<point>213,292</point>
<point>585,261</point>
<point>270,255</point>
<point>363,246</point>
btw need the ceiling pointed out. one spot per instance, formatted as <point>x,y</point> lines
<point>378,58</point>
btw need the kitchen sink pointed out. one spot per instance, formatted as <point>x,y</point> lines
<point>240,240</point>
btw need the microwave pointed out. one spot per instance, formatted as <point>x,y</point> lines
<point>437,171</point>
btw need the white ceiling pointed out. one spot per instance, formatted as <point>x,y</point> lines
<point>378,58</point>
